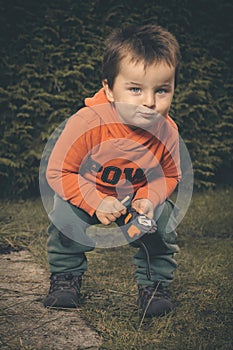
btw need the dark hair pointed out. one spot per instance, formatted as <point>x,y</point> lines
<point>147,43</point>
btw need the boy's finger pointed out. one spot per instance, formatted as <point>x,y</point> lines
<point>112,217</point>
<point>105,221</point>
<point>123,211</point>
<point>118,206</point>
<point>117,214</point>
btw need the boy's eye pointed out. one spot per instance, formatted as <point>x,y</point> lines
<point>135,90</point>
<point>161,91</point>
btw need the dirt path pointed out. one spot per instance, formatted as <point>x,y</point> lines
<point>24,322</point>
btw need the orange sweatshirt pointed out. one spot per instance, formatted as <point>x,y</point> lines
<point>98,156</point>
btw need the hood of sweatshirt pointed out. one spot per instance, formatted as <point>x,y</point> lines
<point>98,99</point>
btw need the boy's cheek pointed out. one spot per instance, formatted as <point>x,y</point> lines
<point>164,110</point>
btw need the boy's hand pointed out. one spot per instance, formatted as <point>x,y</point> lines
<point>144,207</point>
<point>109,210</point>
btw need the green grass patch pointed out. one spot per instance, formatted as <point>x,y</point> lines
<point>202,288</point>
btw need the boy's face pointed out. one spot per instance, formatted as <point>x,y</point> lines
<point>142,95</point>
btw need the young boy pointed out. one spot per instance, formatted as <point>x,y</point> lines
<point>123,143</point>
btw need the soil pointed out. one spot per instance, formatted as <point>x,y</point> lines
<point>24,322</point>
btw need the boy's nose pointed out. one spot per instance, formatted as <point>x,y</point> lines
<point>149,100</point>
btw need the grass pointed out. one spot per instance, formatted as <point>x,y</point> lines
<point>202,287</point>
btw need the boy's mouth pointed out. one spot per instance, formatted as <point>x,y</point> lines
<point>149,115</point>
<point>146,114</point>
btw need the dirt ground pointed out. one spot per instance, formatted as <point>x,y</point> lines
<point>24,322</point>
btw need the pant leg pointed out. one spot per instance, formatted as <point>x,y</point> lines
<point>161,247</point>
<point>67,242</point>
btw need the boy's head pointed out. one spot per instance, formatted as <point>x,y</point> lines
<point>149,44</point>
<point>139,73</point>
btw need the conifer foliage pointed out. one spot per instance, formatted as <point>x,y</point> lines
<point>50,60</point>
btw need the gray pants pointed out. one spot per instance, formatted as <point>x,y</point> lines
<point>68,243</point>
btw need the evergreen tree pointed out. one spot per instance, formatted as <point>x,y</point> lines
<point>50,60</point>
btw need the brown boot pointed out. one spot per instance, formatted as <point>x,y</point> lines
<point>154,300</point>
<point>64,291</point>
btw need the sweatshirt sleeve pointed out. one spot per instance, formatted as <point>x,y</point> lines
<point>162,181</point>
<point>64,167</point>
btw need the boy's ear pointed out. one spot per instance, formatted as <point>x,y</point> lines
<point>107,90</point>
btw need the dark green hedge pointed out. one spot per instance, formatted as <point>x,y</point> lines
<point>50,60</point>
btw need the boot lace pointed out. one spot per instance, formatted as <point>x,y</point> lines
<point>156,291</point>
<point>66,281</point>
